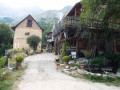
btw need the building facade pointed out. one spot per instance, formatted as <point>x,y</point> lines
<point>26,28</point>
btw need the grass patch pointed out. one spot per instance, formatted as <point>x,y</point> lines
<point>73,65</point>
<point>94,78</point>
<point>8,79</point>
<point>107,80</point>
<point>119,70</point>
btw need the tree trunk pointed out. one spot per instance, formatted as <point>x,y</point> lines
<point>94,51</point>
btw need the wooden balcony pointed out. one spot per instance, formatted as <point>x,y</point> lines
<point>82,22</point>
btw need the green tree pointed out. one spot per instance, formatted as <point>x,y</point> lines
<point>6,38</point>
<point>33,41</point>
<point>101,9</point>
<point>106,11</point>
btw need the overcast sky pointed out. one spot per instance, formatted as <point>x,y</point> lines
<point>44,4</point>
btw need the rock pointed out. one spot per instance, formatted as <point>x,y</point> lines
<point>61,64</point>
<point>67,71</point>
<point>104,75</point>
<point>73,72</point>
<point>98,74</point>
<point>73,68</point>
<point>71,62</point>
<point>67,67</point>
<point>118,74</point>
<point>82,71</point>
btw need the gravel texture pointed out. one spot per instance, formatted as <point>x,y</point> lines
<point>41,74</point>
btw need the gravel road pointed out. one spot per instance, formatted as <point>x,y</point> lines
<point>41,74</point>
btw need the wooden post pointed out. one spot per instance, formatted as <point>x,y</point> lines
<point>77,47</point>
<point>8,63</point>
<point>75,12</point>
<point>73,43</point>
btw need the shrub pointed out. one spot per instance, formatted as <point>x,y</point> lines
<point>66,58</point>
<point>86,53</point>
<point>53,50</point>
<point>2,62</point>
<point>41,50</point>
<point>35,52</point>
<point>63,50</point>
<point>33,41</point>
<point>97,61</point>
<point>19,58</point>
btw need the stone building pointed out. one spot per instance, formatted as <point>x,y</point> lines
<point>24,29</point>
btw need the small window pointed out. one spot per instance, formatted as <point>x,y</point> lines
<point>82,9</point>
<point>29,23</point>
<point>26,34</point>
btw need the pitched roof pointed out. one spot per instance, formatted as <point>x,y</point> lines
<point>29,16</point>
<point>77,5</point>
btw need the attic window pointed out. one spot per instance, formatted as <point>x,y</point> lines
<point>29,23</point>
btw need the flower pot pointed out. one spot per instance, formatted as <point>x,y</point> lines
<point>19,66</point>
<point>81,66</point>
<point>56,59</point>
<point>65,63</point>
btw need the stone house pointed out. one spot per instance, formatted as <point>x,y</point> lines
<point>23,30</point>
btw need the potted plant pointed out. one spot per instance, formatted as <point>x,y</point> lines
<point>19,60</point>
<point>86,54</point>
<point>66,59</point>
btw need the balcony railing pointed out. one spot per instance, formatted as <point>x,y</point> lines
<point>77,21</point>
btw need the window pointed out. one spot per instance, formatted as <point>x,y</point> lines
<point>29,23</point>
<point>82,9</point>
<point>26,34</point>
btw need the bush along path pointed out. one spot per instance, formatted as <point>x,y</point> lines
<point>41,74</point>
<point>10,70</point>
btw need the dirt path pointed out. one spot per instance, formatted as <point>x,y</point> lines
<point>42,75</point>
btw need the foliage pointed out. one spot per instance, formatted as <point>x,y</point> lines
<point>65,44</point>
<point>6,38</point>
<point>33,41</point>
<point>19,58</point>
<point>107,13</point>
<point>115,57</point>
<point>63,50</point>
<point>2,62</point>
<point>66,58</point>
<point>41,50</point>
<point>86,53</point>
<point>101,9</point>
<point>97,61</point>
<point>53,50</point>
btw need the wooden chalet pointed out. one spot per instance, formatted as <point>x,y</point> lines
<point>66,30</point>
<point>50,42</point>
<point>72,29</point>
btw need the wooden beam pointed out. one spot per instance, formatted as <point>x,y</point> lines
<point>75,12</point>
